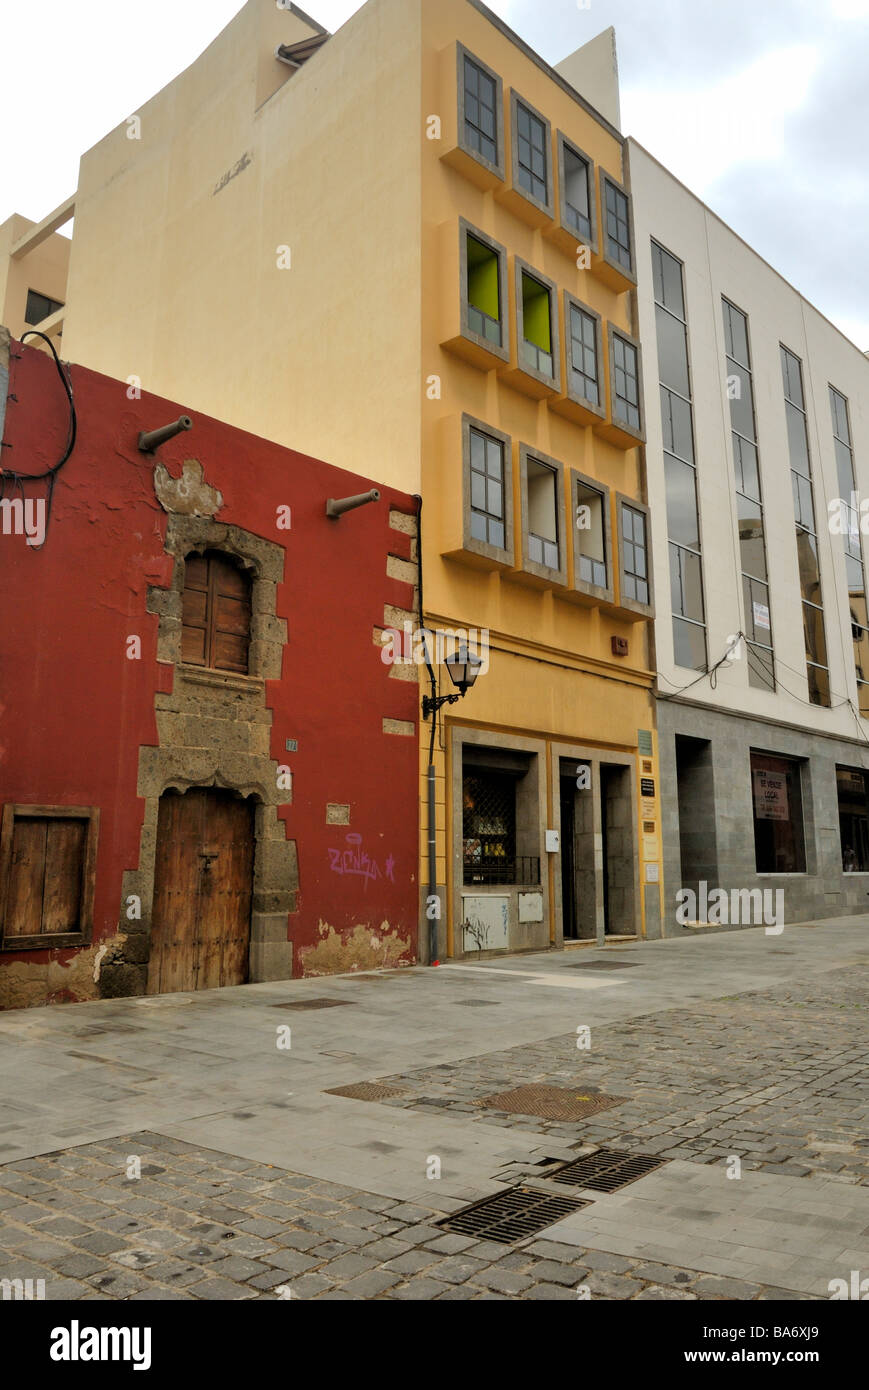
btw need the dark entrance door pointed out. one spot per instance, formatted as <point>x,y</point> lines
<point>200,930</point>
<point>568,860</point>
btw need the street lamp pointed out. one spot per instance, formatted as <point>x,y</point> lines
<point>464,666</point>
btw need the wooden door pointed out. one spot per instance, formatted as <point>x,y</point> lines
<point>200,927</point>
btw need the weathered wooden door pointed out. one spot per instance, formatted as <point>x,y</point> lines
<point>200,929</point>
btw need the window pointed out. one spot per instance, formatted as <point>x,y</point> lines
<point>576,191</point>
<point>807,539</point>
<point>488,517</point>
<point>852,787</point>
<point>481,110</point>
<point>542,541</point>
<point>677,419</point>
<point>532,178</point>
<point>216,612</point>
<point>590,514</point>
<point>749,505</point>
<point>625,365</point>
<point>854,567</point>
<point>484,296</point>
<point>584,353</point>
<point>779,842</point>
<point>617,224</point>
<point>536,336</point>
<point>635,572</point>
<point>47,867</point>
<point>39,307</point>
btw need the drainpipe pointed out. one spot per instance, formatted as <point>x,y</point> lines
<point>432,826</point>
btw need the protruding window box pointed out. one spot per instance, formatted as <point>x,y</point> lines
<point>530,191</point>
<point>544,536</point>
<point>615,259</point>
<point>575,225</point>
<point>471,111</point>
<point>635,596</point>
<point>625,425</point>
<point>584,397</point>
<point>535,355</point>
<point>476,322</point>
<point>481,534</point>
<point>591,528</point>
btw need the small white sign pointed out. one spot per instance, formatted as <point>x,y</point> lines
<point>652,873</point>
<point>761,615</point>
<point>552,842</point>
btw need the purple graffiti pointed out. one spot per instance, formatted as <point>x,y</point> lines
<point>356,861</point>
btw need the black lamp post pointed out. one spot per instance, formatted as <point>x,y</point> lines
<point>464,666</point>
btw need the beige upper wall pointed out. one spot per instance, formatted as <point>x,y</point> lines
<point>174,275</point>
<point>593,70</point>
<point>44,269</point>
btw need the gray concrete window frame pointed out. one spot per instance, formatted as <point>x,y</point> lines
<point>629,274</point>
<point>564,143</point>
<point>528,454</point>
<point>582,586</point>
<point>470,543</point>
<point>467,229</point>
<point>570,300</point>
<point>612,333</point>
<point>548,205</point>
<point>497,169</point>
<point>647,610</point>
<point>520,267</point>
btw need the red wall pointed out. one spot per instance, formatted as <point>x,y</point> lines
<point>74,710</point>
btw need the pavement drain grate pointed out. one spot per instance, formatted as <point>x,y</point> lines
<point>608,1170</point>
<point>367,1090</point>
<point>549,1102</point>
<point>312,1004</point>
<point>604,965</point>
<point>479,1003</point>
<point>512,1215</point>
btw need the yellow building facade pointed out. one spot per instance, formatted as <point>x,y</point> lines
<point>407,248</point>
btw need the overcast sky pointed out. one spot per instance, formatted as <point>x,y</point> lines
<point>760,106</point>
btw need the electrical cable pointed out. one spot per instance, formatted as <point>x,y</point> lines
<point>49,476</point>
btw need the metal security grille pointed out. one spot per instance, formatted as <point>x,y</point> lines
<point>608,1170</point>
<point>489,827</point>
<point>512,1215</point>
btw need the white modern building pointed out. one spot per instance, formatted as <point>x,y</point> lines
<point>757,423</point>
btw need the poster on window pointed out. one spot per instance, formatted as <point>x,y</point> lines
<point>761,615</point>
<point>770,795</point>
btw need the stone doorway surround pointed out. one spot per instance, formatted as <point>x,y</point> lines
<point>214,731</point>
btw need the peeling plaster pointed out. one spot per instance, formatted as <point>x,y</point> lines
<point>189,495</point>
<point>27,984</point>
<point>363,948</point>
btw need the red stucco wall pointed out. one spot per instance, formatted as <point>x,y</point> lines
<point>74,709</point>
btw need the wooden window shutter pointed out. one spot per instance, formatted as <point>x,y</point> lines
<point>215,614</point>
<point>47,868</point>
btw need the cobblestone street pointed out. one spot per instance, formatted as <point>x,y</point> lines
<point>235,1187</point>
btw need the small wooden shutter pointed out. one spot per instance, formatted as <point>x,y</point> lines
<point>215,614</point>
<point>45,884</point>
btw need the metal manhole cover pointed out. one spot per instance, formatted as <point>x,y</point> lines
<point>479,1003</point>
<point>608,1170</point>
<point>512,1215</point>
<point>312,1004</point>
<point>550,1102</point>
<point>367,1090</point>
<point>604,965</point>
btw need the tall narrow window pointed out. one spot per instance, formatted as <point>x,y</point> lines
<point>850,527</point>
<point>635,571</point>
<point>583,354</point>
<point>680,468</point>
<point>852,786</point>
<point>532,153</point>
<point>536,325</point>
<point>807,531</point>
<point>484,291</point>
<point>749,501</point>
<point>487,489</point>
<point>216,613</point>
<point>626,381</point>
<point>543,538</point>
<point>575,173</point>
<point>779,838</point>
<point>481,111</point>
<point>617,221</point>
<point>590,512</point>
